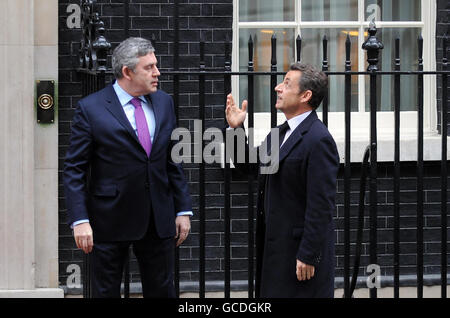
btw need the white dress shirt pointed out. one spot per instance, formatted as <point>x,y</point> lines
<point>293,123</point>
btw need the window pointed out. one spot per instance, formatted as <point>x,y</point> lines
<point>312,19</point>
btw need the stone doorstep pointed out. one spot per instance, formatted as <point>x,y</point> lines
<point>32,293</point>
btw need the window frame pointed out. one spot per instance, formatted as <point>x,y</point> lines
<point>360,119</point>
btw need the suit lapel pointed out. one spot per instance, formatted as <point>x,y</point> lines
<point>297,135</point>
<point>153,101</point>
<point>115,108</point>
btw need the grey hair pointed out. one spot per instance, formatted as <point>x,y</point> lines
<point>127,54</point>
<point>314,80</point>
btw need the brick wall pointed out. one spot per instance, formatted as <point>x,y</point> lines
<point>212,21</point>
<point>385,218</point>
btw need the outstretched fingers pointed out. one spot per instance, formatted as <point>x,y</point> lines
<point>244,105</point>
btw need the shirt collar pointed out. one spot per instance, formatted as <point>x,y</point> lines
<point>124,97</point>
<point>297,120</point>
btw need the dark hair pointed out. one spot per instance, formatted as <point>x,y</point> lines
<point>312,79</point>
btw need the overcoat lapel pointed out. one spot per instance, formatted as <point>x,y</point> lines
<point>297,135</point>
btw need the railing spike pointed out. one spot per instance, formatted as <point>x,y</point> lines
<point>299,47</point>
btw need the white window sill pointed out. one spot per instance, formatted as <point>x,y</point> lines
<point>432,147</point>
<point>361,136</point>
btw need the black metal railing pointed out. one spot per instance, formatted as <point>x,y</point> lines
<point>93,69</point>
<point>359,235</point>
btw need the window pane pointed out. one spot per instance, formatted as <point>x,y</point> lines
<point>312,54</point>
<point>408,61</point>
<point>266,10</point>
<point>262,58</point>
<point>393,10</point>
<point>329,10</point>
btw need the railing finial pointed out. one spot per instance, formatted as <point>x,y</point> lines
<point>372,45</point>
<point>101,47</point>
<point>94,46</point>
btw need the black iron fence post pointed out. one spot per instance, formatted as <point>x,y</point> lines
<point>359,233</point>
<point>372,45</point>
<point>444,172</point>
<point>227,179</point>
<point>176,57</point>
<point>251,214</point>
<point>273,82</point>
<point>101,47</point>
<point>325,69</point>
<point>397,171</point>
<point>176,101</point>
<point>347,172</point>
<point>420,193</point>
<point>201,104</point>
<point>86,276</point>
<point>126,18</point>
<point>126,280</point>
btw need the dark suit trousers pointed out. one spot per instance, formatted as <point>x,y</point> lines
<point>155,257</point>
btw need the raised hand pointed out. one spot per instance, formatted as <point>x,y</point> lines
<point>235,116</point>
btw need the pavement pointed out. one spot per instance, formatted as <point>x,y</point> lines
<point>405,292</point>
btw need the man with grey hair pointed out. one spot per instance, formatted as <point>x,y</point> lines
<point>296,204</point>
<point>122,188</point>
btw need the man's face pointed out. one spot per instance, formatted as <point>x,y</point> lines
<point>290,99</point>
<point>288,93</point>
<point>144,79</point>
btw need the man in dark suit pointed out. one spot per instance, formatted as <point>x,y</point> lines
<point>122,187</point>
<point>296,203</point>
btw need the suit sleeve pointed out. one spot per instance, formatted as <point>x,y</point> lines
<point>320,199</point>
<point>76,166</point>
<point>177,179</point>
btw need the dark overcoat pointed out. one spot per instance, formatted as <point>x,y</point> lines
<point>295,220</point>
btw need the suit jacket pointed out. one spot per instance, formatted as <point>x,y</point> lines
<point>295,210</point>
<point>108,177</point>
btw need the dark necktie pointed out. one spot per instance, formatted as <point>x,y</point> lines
<point>282,131</point>
<point>141,125</point>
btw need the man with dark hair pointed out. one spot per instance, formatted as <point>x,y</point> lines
<point>134,194</point>
<point>296,204</point>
